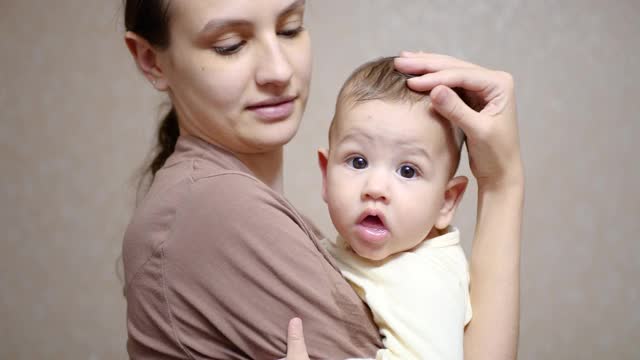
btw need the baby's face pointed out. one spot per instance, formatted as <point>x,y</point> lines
<point>387,173</point>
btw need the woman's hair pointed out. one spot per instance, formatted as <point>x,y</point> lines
<point>150,20</point>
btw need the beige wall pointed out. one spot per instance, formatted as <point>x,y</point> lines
<point>77,120</point>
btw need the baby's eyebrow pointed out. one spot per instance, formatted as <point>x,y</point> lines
<point>356,136</point>
<point>408,146</point>
<point>414,149</point>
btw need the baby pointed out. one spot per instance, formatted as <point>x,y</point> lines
<point>388,180</point>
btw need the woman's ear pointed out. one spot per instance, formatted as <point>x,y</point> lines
<point>452,196</point>
<point>323,160</point>
<point>146,58</point>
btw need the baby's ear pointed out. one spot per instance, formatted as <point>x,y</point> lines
<point>323,160</point>
<point>452,196</point>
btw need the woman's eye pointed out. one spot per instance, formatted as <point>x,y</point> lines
<point>291,33</point>
<point>229,50</point>
<point>407,171</point>
<point>358,162</point>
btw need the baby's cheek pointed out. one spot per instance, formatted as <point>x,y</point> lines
<point>338,189</point>
<point>340,207</point>
<point>419,222</point>
<point>338,204</point>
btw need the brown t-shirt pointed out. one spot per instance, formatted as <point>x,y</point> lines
<point>216,263</point>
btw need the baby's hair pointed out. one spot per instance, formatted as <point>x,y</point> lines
<point>379,80</point>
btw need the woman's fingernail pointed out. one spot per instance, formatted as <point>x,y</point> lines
<point>295,324</point>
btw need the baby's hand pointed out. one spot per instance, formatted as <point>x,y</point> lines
<point>490,124</point>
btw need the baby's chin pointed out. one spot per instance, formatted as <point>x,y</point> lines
<point>373,254</point>
<point>376,257</point>
<point>384,251</point>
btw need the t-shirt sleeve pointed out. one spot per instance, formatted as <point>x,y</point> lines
<point>239,266</point>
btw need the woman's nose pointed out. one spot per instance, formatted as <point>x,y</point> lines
<point>274,68</point>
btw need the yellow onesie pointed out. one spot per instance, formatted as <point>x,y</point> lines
<point>419,298</point>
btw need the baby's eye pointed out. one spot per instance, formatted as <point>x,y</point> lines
<point>407,171</point>
<point>358,162</point>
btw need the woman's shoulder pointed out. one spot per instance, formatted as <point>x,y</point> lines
<point>185,194</point>
<point>235,209</point>
<point>235,196</point>
<point>199,202</point>
<point>228,238</point>
<point>242,247</point>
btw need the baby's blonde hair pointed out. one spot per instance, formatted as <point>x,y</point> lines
<point>379,80</point>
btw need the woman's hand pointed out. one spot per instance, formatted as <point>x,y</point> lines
<point>488,118</point>
<point>296,348</point>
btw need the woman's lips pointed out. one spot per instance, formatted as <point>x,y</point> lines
<point>372,230</point>
<point>274,110</point>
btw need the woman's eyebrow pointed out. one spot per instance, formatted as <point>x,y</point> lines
<point>216,24</point>
<point>294,6</point>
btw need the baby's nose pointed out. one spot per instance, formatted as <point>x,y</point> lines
<point>376,188</point>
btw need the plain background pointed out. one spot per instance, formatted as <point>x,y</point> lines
<point>77,120</point>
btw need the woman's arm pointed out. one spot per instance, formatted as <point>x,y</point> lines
<point>240,265</point>
<point>495,270</point>
<point>494,153</point>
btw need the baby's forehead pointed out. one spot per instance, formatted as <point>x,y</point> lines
<point>398,128</point>
<point>388,118</point>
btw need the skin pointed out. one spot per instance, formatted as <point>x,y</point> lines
<point>296,347</point>
<point>394,159</point>
<point>224,57</point>
<point>190,76</point>
<point>491,128</point>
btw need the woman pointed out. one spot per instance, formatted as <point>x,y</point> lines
<point>216,260</point>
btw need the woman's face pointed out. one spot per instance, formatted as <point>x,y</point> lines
<point>238,71</point>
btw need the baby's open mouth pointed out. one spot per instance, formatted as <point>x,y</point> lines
<point>373,222</point>
<point>372,229</point>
